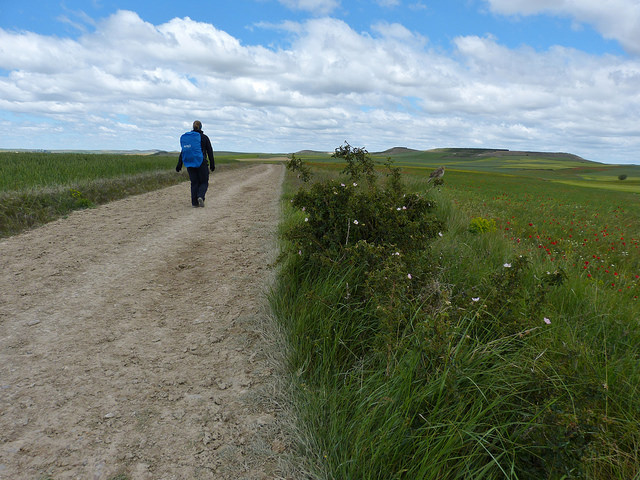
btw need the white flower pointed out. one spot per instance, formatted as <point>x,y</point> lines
<point>396,254</point>
<point>547,321</point>
<point>507,265</point>
<point>342,185</point>
<point>355,184</point>
<point>306,219</point>
<point>398,209</point>
<point>440,234</point>
<point>404,208</point>
<point>409,276</point>
<point>304,209</point>
<point>475,299</point>
<point>356,222</point>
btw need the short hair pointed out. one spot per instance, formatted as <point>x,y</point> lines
<point>197,125</point>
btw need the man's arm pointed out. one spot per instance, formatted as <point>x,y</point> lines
<point>179,165</point>
<point>209,151</point>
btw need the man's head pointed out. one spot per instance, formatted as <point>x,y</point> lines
<point>197,126</point>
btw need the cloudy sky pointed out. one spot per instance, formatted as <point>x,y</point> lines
<point>286,75</point>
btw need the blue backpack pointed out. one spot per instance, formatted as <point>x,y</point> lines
<point>191,149</point>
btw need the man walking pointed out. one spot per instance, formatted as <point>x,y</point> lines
<point>195,147</point>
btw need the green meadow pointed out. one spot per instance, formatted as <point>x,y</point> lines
<point>555,167</point>
<point>37,187</point>
<point>485,327</point>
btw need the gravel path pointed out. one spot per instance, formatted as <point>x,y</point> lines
<point>132,338</point>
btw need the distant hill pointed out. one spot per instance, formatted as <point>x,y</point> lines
<point>480,153</point>
<point>467,152</point>
<point>506,155</point>
<point>520,154</point>
<point>397,151</point>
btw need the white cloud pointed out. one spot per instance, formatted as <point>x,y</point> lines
<point>388,3</point>
<point>614,19</point>
<point>322,7</point>
<point>132,84</point>
<point>419,6</point>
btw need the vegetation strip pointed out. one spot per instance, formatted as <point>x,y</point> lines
<point>27,209</point>
<point>442,342</point>
<point>36,188</point>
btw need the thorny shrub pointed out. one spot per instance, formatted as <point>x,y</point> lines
<point>376,228</point>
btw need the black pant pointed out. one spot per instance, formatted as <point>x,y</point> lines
<point>199,177</point>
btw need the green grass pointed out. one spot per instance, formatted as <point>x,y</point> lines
<point>22,171</point>
<point>562,226</point>
<point>557,167</point>
<point>36,188</point>
<point>510,357</point>
<point>632,186</point>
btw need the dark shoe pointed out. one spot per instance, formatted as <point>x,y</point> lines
<point>200,202</point>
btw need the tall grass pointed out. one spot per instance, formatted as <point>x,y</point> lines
<point>34,170</point>
<point>488,362</point>
<point>20,210</point>
<point>36,188</point>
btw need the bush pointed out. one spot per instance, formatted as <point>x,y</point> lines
<point>359,163</point>
<point>482,225</point>
<point>295,164</point>
<point>376,234</point>
<point>338,215</point>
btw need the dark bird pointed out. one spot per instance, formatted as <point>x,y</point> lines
<point>436,174</point>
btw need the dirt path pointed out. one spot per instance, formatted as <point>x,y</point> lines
<point>131,338</point>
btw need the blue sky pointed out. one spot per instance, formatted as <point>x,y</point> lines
<point>286,75</point>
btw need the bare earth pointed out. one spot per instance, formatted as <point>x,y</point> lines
<point>132,338</point>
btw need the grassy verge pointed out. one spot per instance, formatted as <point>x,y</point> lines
<point>20,210</point>
<point>465,354</point>
<point>34,170</point>
<point>36,188</point>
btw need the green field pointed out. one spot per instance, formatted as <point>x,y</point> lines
<point>37,187</point>
<point>494,336</point>
<point>555,167</point>
<point>21,171</point>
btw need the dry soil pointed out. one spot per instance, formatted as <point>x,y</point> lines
<point>132,338</point>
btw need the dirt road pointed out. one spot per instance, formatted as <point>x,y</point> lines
<point>132,338</point>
